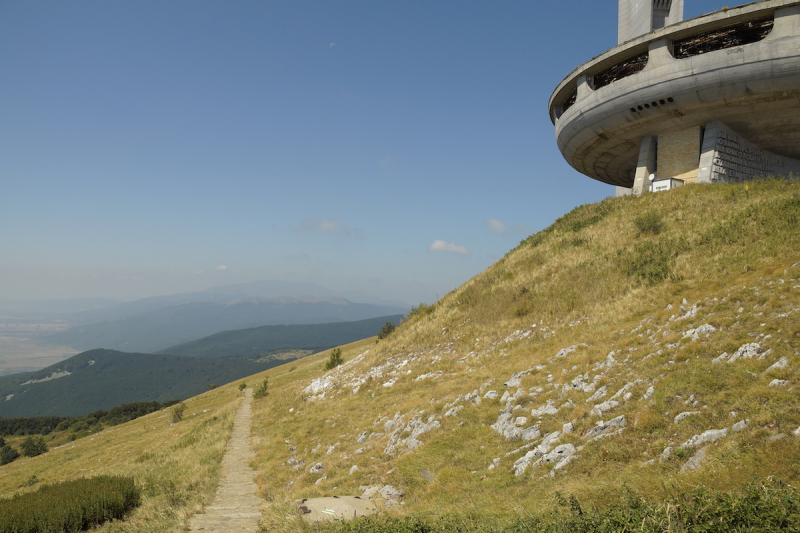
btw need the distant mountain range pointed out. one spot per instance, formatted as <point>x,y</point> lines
<point>91,311</point>
<point>158,325</point>
<point>271,339</point>
<point>101,379</point>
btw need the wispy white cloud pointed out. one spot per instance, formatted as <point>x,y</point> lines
<point>450,247</point>
<point>498,227</point>
<point>328,225</point>
<point>221,267</point>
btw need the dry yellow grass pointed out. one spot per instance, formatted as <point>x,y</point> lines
<point>727,256</point>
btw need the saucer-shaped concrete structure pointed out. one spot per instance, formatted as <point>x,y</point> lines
<point>714,98</point>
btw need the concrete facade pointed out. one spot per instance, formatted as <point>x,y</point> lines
<point>637,17</point>
<point>739,67</point>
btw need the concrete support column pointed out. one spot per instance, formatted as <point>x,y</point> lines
<point>584,87</point>
<point>646,166</point>
<point>787,23</point>
<point>659,53</point>
<point>679,154</point>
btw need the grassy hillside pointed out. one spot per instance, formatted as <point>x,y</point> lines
<point>102,379</point>
<point>161,328</point>
<point>593,319</point>
<point>594,349</point>
<point>272,339</point>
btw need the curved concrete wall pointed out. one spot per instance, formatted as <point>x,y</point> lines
<point>754,89</point>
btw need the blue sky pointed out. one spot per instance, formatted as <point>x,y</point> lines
<point>392,148</point>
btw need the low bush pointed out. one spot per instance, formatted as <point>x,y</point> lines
<point>33,446</point>
<point>386,330</point>
<point>7,454</point>
<point>69,506</point>
<point>177,412</point>
<point>335,359</point>
<point>649,223</point>
<point>262,390</point>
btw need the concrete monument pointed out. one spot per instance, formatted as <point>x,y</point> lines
<point>711,99</point>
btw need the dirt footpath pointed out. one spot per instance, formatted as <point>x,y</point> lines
<point>235,507</point>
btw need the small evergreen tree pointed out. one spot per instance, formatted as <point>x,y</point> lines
<point>33,446</point>
<point>7,454</point>
<point>261,390</point>
<point>335,360</point>
<point>386,330</point>
<point>177,412</point>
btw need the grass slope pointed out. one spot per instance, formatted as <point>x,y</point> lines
<point>271,339</point>
<point>158,329</point>
<point>102,379</point>
<point>625,282</point>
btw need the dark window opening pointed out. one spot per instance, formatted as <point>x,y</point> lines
<point>741,34</point>
<point>620,70</point>
<point>570,100</point>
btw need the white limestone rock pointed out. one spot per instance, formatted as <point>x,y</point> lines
<point>686,414</point>
<point>741,425</point>
<point>601,408</point>
<point>695,461</point>
<point>711,435</point>
<point>746,351</point>
<point>317,468</point>
<point>783,362</point>
<point>491,395</point>
<point>778,383</point>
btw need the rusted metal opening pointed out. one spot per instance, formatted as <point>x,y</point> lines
<point>732,36</point>
<point>620,70</point>
<point>569,101</point>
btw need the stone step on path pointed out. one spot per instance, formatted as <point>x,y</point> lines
<point>235,508</point>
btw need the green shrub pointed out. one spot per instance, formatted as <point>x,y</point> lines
<point>652,261</point>
<point>420,310</point>
<point>69,506</point>
<point>7,454</point>
<point>261,390</point>
<point>177,412</point>
<point>33,446</point>
<point>386,330</point>
<point>649,223</point>
<point>335,359</point>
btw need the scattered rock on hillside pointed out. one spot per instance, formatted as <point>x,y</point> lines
<point>505,425</point>
<point>686,414</point>
<point>711,435</point>
<point>521,464</point>
<point>319,386</point>
<point>491,395</point>
<point>317,468</point>
<point>783,362</point>
<point>695,461</point>
<point>741,425</point>
<point>566,351</point>
<point>605,427</point>
<point>516,379</point>
<point>746,351</point>
<point>602,391</point>
<point>547,409</point>
<point>601,408</point>
<point>705,330</point>
<point>778,383</point>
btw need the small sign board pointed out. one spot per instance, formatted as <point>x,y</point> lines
<point>666,184</point>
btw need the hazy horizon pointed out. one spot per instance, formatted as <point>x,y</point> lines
<point>155,148</point>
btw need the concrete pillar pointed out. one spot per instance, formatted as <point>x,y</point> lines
<point>679,154</point>
<point>637,17</point>
<point>584,87</point>
<point>646,166</point>
<point>787,23</point>
<point>659,53</point>
<point>623,191</point>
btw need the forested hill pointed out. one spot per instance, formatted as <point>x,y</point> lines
<point>158,329</point>
<point>270,339</point>
<point>102,379</point>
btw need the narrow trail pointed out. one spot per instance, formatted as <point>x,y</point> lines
<point>236,506</point>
